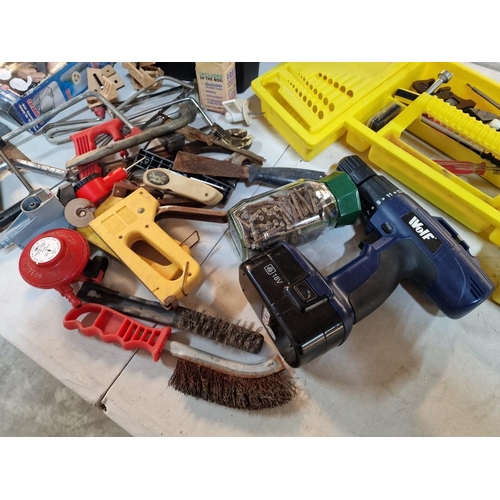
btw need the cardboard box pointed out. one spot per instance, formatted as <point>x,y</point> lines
<point>28,90</point>
<point>216,84</point>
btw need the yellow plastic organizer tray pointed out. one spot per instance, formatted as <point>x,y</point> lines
<point>314,104</point>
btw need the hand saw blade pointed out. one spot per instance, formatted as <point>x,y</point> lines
<point>275,176</point>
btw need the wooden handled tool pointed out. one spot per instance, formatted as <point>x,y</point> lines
<point>166,180</point>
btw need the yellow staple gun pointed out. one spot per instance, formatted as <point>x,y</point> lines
<point>128,226</point>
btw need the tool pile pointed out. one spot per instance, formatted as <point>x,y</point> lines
<point>132,171</point>
<point>112,209</point>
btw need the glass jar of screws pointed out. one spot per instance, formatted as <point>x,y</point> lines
<point>298,213</point>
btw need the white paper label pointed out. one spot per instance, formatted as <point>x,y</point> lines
<point>45,250</point>
<point>266,319</point>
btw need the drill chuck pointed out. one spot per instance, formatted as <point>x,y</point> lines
<point>373,189</point>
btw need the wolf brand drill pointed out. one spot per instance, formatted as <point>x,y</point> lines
<point>307,314</point>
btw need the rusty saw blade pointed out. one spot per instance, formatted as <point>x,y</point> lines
<point>189,163</point>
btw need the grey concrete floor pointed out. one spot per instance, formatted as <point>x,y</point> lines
<point>33,403</point>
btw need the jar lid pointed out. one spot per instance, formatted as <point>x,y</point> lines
<point>346,193</point>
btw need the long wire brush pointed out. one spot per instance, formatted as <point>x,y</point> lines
<point>245,386</point>
<point>240,336</point>
<point>233,391</point>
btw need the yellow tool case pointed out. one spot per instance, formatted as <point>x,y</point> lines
<point>314,104</point>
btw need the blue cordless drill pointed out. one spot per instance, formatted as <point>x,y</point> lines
<point>307,314</point>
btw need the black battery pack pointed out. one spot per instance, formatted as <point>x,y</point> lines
<point>294,303</point>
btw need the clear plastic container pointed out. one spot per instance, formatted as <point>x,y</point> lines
<point>298,213</point>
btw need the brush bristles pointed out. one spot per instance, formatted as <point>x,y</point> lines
<point>222,331</point>
<point>231,391</point>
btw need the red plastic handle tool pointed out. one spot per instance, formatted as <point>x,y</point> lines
<point>113,326</point>
<point>463,167</point>
<point>84,140</point>
<point>98,188</point>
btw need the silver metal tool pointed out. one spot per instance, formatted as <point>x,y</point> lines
<point>15,171</point>
<point>40,168</point>
<point>59,132</point>
<point>443,77</point>
<point>62,107</point>
<point>484,96</point>
<point>187,115</point>
<point>135,95</point>
<point>39,212</point>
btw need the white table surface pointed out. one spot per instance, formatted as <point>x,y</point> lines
<point>405,370</point>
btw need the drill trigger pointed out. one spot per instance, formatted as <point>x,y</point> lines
<point>371,238</point>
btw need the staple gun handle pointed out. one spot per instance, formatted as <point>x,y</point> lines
<point>127,225</point>
<point>112,326</point>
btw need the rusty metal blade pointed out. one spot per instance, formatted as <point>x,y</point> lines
<point>191,213</point>
<point>189,163</point>
<point>270,176</point>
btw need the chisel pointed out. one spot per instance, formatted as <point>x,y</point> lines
<point>189,163</point>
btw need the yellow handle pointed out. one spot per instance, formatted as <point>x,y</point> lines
<point>129,229</point>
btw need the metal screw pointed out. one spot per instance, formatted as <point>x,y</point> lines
<point>443,77</point>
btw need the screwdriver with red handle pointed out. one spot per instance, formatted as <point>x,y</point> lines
<point>466,167</point>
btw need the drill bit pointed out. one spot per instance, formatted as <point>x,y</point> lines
<point>484,96</point>
<point>239,336</point>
